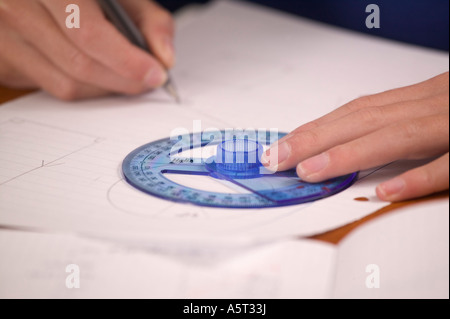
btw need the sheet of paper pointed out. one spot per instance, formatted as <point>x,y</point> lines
<point>239,66</point>
<point>408,247</point>
<point>402,255</point>
<point>43,266</point>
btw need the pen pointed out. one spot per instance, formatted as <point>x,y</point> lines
<point>118,16</point>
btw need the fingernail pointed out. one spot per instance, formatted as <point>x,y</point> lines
<point>313,165</point>
<point>391,188</point>
<point>276,155</point>
<point>155,77</point>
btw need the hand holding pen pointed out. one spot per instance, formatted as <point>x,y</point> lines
<point>39,51</point>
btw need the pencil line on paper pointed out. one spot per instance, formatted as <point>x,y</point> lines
<point>20,229</point>
<point>49,164</point>
<point>123,210</point>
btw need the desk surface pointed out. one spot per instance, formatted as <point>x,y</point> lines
<point>11,94</point>
<point>333,237</point>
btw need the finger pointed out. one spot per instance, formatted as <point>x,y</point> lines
<point>100,40</point>
<point>13,78</point>
<point>413,139</point>
<point>38,70</point>
<point>65,55</point>
<point>419,182</point>
<point>302,145</point>
<point>157,26</point>
<point>431,87</point>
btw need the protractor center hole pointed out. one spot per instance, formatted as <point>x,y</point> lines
<point>205,152</point>
<point>198,152</point>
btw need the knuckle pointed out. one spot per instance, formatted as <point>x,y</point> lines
<point>339,152</point>
<point>411,129</point>
<point>307,139</point>
<point>86,36</point>
<point>80,64</point>
<point>409,132</point>
<point>67,90</point>
<point>359,103</point>
<point>425,178</point>
<point>370,114</point>
<point>348,157</point>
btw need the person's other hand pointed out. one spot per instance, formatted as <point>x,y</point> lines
<point>405,123</point>
<point>38,51</point>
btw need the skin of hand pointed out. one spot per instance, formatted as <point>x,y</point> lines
<point>406,123</point>
<point>39,51</point>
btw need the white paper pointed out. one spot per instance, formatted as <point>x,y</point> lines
<point>35,266</point>
<point>410,249</point>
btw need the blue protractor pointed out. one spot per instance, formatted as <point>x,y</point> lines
<point>237,160</point>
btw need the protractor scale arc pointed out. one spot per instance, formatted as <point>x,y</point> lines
<point>236,160</point>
